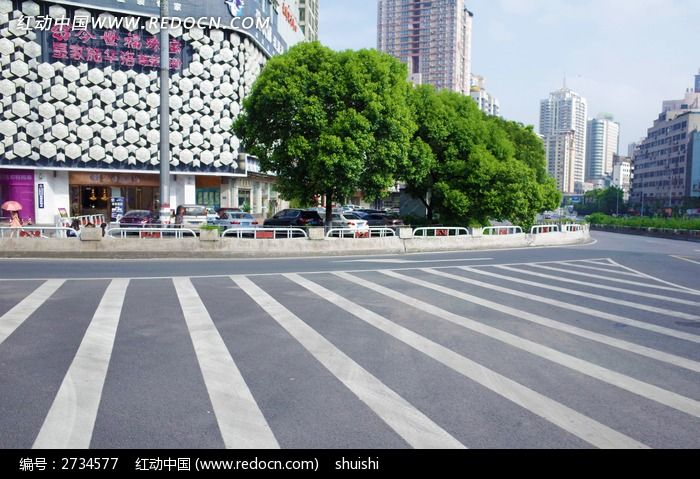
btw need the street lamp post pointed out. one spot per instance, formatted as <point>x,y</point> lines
<point>164,116</point>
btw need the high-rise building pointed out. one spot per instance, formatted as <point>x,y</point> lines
<point>602,142</point>
<point>487,103</point>
<point>308,19</point>
<point>432,37</point>
<point>667,161</point>
<point>563,126</point>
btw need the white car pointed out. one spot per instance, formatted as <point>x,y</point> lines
<point>352,225</point>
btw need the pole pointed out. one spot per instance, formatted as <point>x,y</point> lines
<point>164,117</point>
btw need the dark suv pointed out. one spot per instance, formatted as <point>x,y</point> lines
<point>296,218</point>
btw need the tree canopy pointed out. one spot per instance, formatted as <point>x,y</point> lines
<point>329,123</point>
<point>471,168</point>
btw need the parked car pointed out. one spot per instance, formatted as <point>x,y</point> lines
<point>194,216</point>
<point>351,221</point>
<point>212,214</point>
<point>379,220</point>
<point>228,210</point>
<point>294,218</point>
<point>235,219</point>
<point>138,219</point>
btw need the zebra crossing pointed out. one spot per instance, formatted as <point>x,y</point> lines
<point>572,354</point>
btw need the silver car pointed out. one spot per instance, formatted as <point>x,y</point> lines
<point>235,219</point>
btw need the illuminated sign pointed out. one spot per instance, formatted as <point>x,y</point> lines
<point>287,14</point>
<point>235,6</point>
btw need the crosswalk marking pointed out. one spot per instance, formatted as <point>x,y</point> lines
<point>602,286</point>
<point>605,270</point>
<point>241,423</point>
<point>652,278</point>
<point>571,307</point>
<point>685,259</point>
<point>71,419</point>
<point>556,325</point>
<point>662,396</point>
<point>562,416</point>
<point>412,425</point>
<point>615,280</point>
<point>597,297</point>
<point>12,319</point>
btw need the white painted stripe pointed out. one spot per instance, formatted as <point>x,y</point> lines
<point>597,297</point>
<point>412,425</point>
<point>242,424</point>
<point>14,318</point>
<point>606,270</point>
<point>685,259</point>
<point>562,416</point>
<point>601,286</point>
<point>572,307</point>
<point>615,280</point>
<point>408,261</point>
<point>644,275</point>
<point>556,325</point>
<point>71,419</point>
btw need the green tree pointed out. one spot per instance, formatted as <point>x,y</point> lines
<point>329,123</point>
<point>471,168</point>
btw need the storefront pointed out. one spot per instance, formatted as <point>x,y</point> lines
<point>18,185</point>
<point>208,191</point>
<point>112,194</point>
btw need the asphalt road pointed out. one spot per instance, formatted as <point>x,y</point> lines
<point>576,347</point>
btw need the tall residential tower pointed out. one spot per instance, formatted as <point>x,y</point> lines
<point>308,19</point>
<point>432,37</point>
<point>603,142</point>
<point>563,127</point>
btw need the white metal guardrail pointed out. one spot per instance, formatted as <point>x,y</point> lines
<point>502,230</point>
<point>439,231</point>
<point>372,232</point>
<point>150,233</point>
<point>570,228</point>
<point>44,232</point>
<point>544,229</point>
<point>265,233</point>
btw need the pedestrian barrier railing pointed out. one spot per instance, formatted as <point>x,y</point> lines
<point>150,233</point>
<point>440,231</point>
<point>543,229</point>
<point>265,233</point>
<point>570,228</point>
<point>84,220</point>
<point>502,230</point>
<point>373,232</point>
<point>44,232</point>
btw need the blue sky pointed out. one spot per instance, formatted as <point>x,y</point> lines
<point>624,56</point>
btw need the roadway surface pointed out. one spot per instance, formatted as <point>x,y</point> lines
<point>573,347</point>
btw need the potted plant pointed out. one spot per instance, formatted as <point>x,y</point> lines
<point>209,233</point>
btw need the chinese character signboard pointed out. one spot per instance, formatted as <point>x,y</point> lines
<point>74,40</point>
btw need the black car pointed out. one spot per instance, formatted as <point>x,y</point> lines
<point>294,218</point>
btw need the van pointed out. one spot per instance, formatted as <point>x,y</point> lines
<point>194,215</point>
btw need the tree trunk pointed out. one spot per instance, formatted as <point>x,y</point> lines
<point>329,209</point>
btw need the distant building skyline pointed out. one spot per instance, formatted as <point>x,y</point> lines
<point>432,37</point>
<point>563,125</point>
<point>488,103</point>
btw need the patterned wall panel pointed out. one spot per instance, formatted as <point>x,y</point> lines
<point>56,114</point>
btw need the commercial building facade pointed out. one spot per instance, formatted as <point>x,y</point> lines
<point>667,161</point>
<point>563,126</point>
<point>79,110</point>
<point>602,143</point>
<point>432,37</point>
<point>622,174</point>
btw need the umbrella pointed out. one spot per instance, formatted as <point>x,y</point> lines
<point>11,206</point>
